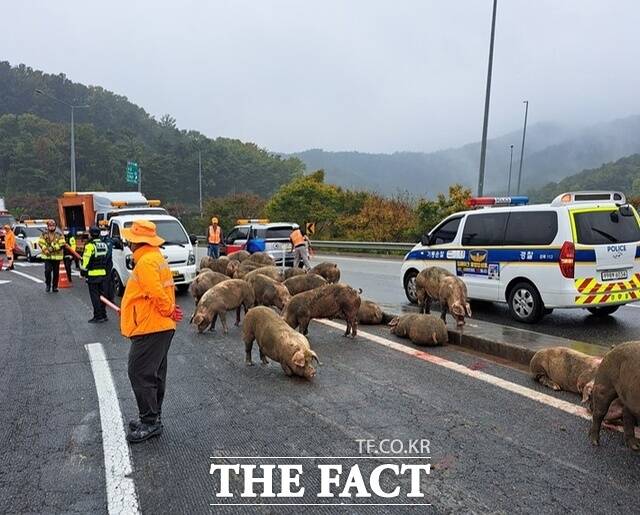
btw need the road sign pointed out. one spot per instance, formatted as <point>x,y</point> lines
<point>132,172</point>
<point>311,227</point>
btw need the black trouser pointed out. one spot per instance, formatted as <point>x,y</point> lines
<point>67,266</point>
<point>148,372</point>
<point>96,288</point>
<point>51,270</point>
<point>108,284</point>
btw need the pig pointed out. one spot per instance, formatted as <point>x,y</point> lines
<point>292,272</point>
<point>261,258</point>
<point>329,271</point>
<point>206,263</point>
<point>217,265</point>
<point>238,255</point>
<point>561,368</point>
<point>223,297</point>
<point>245,267</point>
<point>420,329</point>
<point>278,341</point>
<point>618,376</point>
<point>270,271</point>
<point>450,291</point>
<point>204,280</point>
<point>328,301</point>
<point>371,314</point>
<point>268,292</point>
<point>232,267</point>
<point>614,414</point>
<point>300,283</point>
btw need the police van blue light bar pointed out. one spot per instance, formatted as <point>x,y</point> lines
<point>520,200</point>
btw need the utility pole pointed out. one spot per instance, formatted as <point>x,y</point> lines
<point>200,178</point>
<point>524,133</point>
<point>510,165</point>
<point>485,125</point>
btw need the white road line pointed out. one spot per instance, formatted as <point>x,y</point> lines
<point>30,277</point>
<point>121,490</point>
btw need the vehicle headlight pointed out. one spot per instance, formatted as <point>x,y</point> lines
<point>192,258</point>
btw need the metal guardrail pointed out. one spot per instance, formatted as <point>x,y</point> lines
<point>353,245</point>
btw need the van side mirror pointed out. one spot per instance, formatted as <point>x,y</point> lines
<point>425,240</point>
<point>193,239</point>
<point>625,210</point>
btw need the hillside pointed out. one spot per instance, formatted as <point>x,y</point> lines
<point>552,152</point>
<point>34,145</point>
<point>621,175</point>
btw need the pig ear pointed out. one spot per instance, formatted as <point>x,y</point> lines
<point>468,309</point>
<point>298,359</point>
<point>394,322</point>
<point>586,391</point>
<point>315,356</point>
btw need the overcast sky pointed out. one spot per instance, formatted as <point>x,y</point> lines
<point>361,75</point>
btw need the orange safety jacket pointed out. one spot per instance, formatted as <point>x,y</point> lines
<point>9,242</point>
<point>297,238</point>
<point>215,234</point>
<point>149,298</point>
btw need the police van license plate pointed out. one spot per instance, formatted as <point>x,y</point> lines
<point>611,275</point>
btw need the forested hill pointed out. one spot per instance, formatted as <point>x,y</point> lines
<point>34,145</point>
<point>621,175</point>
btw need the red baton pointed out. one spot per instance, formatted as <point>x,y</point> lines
<point>109,304</point>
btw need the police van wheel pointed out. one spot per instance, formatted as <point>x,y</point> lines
<point>410,286</point>
<point>525,303</point>
<point>29,256</point>
<point>603,311</point>
<point>117,285</point>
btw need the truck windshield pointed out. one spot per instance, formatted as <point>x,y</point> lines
<point>604,227</point>
<point>170,231</point>
<point>7,219</point>
<point>32,232</point>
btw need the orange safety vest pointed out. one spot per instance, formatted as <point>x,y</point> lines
<point>297,238</point>
<point>214,234</point>
<point>149,298</point>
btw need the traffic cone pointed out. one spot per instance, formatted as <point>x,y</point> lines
<point>63,280</point>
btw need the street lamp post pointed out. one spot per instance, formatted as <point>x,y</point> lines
<point>200,179</point>
<point>510,166</point>
<point>524,133</point>
<point>73,139</point>
<point>485,125</point>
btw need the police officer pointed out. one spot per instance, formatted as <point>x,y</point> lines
<point>51,243</point>
<point>94,268</point>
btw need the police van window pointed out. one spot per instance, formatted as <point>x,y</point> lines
<point>446,233</point>
<point>485,230</point>
<point>604,227</point>
<point>531,228</point>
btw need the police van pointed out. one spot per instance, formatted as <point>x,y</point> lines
<point>580,251</point>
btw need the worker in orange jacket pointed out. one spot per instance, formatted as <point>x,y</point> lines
<point>148,316</point>
<point>9,243</point>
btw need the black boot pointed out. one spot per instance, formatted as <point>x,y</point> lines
<point>144,432</point>
<point>135,423</point>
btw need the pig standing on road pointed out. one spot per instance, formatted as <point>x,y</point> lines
<point>292,272</point>
<point>618,376</point>
<point>269,292</point>
<point>223,297</point>
<point>278,341</point>
<point>329,271</point>
<point>205,280</point>
<point>270,271</point>
<point>217,265</point>
<point>261,258</point>
<point>306,282</point>
<point>232,267</point>
<point>450,291</point>
<point>328,301</point>
<point>371,314</point>
<point>420,329</point>
<point>238,255</point>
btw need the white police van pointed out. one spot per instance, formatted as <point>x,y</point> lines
<point>580,251</point>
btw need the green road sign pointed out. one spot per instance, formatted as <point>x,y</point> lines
<point>132,172</point>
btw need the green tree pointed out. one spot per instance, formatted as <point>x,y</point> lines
<point>431,212</point>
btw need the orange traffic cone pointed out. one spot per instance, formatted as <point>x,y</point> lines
<point>63,281</point>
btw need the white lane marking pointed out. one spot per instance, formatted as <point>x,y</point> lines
<point>121,490</point>
<point>27,265</point>
<point>5,282</point>
<point>34,279</point>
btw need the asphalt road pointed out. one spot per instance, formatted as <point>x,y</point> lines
<point>492,450</point>
<point>380,281</point>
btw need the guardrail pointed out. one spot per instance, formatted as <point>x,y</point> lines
<point>354,245</point>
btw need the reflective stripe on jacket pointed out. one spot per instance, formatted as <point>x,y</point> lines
<point>51,244</point>
<point>215,235</point>
<point>94,258</point>
<point>297,238</point>
<point>149,298</point>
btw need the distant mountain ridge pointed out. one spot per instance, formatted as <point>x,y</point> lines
<point>552,152</point>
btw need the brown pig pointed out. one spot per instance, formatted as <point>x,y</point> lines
<point>206,263</point>
<point>204,280</point>
<point>232,267</point>
<point>371,314</point>
<point>292,272</point>
<point>435,283</point>
<point>278,341</point>
<point>329,271</point>
<point>261,258</point>
<point>217,265</point>
<point>268,291</point>
<point>270,271</point>
<point>306,282</point>
<point>223,297</point>
<point>238,255</point>
<point>420,329</point>
<point>328,301</point>
<point>561,368</point>
<point>618,376</point>
<point>246,266</point>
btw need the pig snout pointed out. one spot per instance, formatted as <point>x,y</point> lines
<point>459,320</point>
<point>309,371</point>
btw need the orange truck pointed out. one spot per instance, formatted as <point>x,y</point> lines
<point>78,211</point>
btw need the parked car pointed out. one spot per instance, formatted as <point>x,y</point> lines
<point>275,236</point>
<point>27,235</point>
